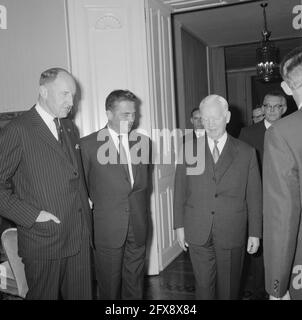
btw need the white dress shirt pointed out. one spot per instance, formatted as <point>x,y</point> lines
<point>300,106</point>
<point>199,132</point>
<point>125,142</point>
<point>48,119</point>
<point>267,124</point>
<point>221,143</point>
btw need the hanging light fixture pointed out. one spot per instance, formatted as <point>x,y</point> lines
<point>267,55</point>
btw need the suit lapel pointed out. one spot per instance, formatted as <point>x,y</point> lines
<point>226,158</point>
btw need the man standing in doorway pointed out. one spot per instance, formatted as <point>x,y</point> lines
<point>213,210</point>
<point>197,123</point>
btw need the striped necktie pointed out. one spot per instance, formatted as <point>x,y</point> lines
<point>215,152</point>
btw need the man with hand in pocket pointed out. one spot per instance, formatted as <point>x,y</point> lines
<point>42,191</point>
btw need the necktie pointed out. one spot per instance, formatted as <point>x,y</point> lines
<point>62,138</point>
<point>123,155</point>
<point>215,152</point>
<point>59,130</point>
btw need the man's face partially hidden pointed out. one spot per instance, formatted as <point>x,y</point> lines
<point>122,116</point>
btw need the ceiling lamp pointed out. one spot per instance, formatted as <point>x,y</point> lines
<point>267,55</point>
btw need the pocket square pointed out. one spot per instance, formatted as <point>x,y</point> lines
<point>77,146</point>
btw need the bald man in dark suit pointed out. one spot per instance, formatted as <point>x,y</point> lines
<point>215,210</point>
<point>42,190</point>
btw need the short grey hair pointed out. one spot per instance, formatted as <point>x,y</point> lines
<point>291,68</point>
<point>51,75</point>
<point>214,98</point>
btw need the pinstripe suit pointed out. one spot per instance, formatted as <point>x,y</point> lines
<point>36,175</point>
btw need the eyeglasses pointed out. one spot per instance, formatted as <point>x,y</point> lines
<point>273,108</point>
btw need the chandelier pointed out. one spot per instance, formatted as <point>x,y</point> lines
<point>267,55</point>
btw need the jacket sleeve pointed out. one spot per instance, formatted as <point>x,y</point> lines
<point>254,198</point>
<point>179,194</point>
<point>11,206</point>
<point>282,210</point>
<point>85,160</point>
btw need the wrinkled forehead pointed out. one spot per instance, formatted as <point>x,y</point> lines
<point>64,82</point>
<point>124,106</point>
<point>212,109</point>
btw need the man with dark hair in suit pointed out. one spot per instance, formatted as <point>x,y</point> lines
<point>42,190</point>
<point>213,210</point>
<point>273,107</point>
<point>282,191</point>
<point>198,129</point>
<point>197,123</point>
<point>118,189</point>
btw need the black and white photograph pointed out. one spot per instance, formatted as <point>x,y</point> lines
<point>150,150</point>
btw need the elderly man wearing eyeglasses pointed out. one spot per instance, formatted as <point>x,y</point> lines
<point>273,107</point>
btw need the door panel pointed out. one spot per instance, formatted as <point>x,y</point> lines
<point>164,120</point>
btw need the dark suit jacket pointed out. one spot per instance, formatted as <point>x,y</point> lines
<point>226,196</point>
<point>254,136</point>
<point>282,196</point>
<point>35,175</point>
<point>114,201</point>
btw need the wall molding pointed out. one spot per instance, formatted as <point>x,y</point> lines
<point>107,22</point>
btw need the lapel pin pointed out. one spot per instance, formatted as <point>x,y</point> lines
<point>68,129</point>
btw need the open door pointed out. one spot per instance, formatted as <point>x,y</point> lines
<point>163,115</point>
<point>128,44</point>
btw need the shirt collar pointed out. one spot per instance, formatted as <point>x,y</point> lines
<point>115,138</point>
<point>113,132</point>
<point>300,106</point>
<point>48,118</point>
<point>221,140</point>
<point>199,133</point>
<point>267,124</point>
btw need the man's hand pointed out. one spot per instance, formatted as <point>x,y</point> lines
<point>180,234</point>
<point>253,245</point>
<point>285,297</point>
<point>45,216</point>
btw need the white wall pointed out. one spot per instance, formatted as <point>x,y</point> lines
<point>108,52</point>
<point>35,40</point>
